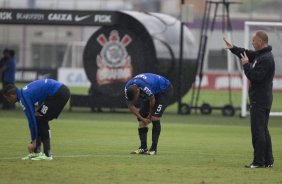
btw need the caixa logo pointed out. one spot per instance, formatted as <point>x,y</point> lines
<point>60,17</point>
<point>114,63</point>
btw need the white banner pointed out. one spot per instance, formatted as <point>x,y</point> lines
<point>73,77</point>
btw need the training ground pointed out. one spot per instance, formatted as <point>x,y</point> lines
<point>94,148</point>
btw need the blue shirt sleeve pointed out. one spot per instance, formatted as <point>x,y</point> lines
<point>125,94</point>
<point>125,90</point>
<point>30,114</point>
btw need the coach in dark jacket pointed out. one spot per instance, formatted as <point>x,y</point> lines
<point>259,68</point>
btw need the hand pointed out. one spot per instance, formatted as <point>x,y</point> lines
<point>31,146</point>
<point>229,45</point>
<point>149,116</point>
<point>37,114</point>
<point>146,121</point>
<point>244,58</point>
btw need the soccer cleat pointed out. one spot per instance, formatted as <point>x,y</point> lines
<point>151,152</point>
<point>42,157</point>
<point>269,165</point>
<point>140,151</point>
<point>254,166</point>
<point>32,155</point>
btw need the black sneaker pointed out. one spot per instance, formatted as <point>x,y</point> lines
<point>254,166</point>
<point>268,165</point>
<point>140,151</point>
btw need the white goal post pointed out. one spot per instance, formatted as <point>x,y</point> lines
<point>247,33</point>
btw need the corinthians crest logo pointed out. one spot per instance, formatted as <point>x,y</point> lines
<point>114,63</point>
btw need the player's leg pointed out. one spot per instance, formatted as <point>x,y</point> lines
<point>156,131</point>
<point>161,103</point>
<point>43,116</point>
<point>269,160</point>
<point>44,130</point>
<point>45,135</point>
<point>258,119</point>
<point>142,129</point>
<point>38,144</point>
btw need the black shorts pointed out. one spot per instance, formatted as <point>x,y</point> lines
<point>53,105</point>
<point>161,103</point>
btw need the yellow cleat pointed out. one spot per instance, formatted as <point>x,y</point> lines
<point>42,157</point>
<point>140,151</point>
<point>32,155</point>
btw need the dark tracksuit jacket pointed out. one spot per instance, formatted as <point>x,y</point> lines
<point>260,71</point>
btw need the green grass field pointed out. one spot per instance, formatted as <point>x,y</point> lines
<point>94,148</point>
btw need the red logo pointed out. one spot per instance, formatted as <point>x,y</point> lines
<point>114,63</point>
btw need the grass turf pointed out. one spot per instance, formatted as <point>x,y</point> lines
<point>94,147</point>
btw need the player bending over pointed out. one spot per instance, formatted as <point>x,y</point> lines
<point>50,97</point>
<point>155,92</point>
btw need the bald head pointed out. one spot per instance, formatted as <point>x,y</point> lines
<point>262,35</point>
<point>259,40</point>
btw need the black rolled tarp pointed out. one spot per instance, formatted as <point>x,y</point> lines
<point>138,42</point>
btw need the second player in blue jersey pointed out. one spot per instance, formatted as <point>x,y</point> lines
<point>155,92</point>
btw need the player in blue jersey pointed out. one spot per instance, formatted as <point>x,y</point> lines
<point>42,101</point>
<point>155,92</point>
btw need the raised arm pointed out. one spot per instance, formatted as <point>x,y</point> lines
<point>228,44</point>
<point>238,50</point>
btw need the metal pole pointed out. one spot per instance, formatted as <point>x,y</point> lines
<point>245,80</point>
<point>229,56</point>
<point>180,62</point>
<point>199,53</point>
<point>203,51</point>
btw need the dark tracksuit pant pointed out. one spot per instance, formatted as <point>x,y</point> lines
<point>260,135</point>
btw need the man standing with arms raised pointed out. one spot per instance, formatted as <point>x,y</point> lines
<point>259,68</point>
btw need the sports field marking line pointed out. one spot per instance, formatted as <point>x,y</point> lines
<point>106,155</point>
<point>70,156</point>
<point>110,155</point>
<point>59,156</point>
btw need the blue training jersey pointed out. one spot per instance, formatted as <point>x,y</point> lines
<point>150,84</point>
<point>33,95</point>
